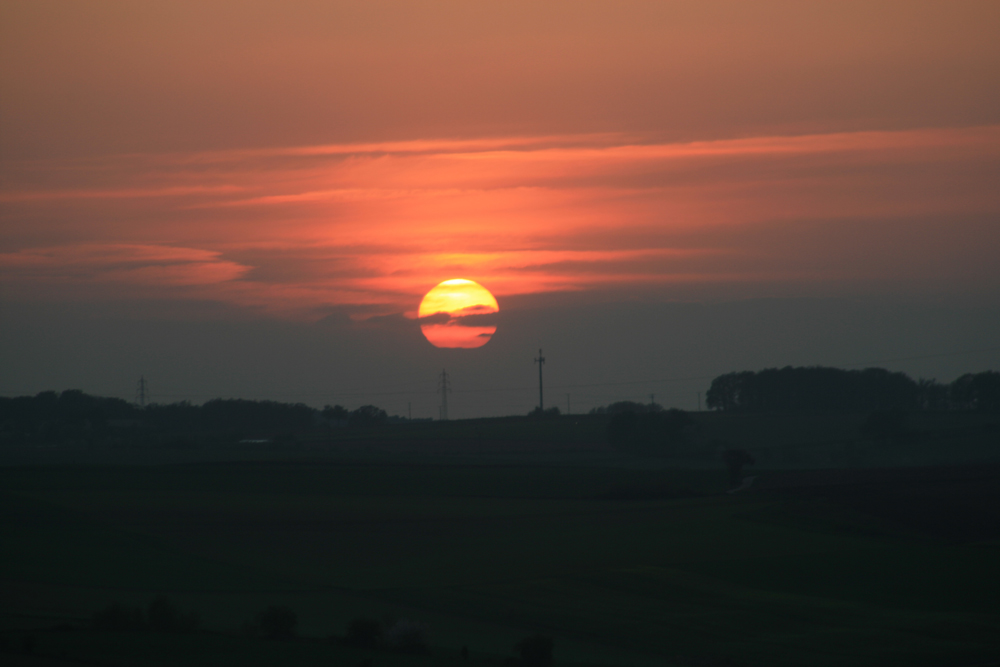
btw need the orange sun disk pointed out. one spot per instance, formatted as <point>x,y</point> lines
<point>454,301</point>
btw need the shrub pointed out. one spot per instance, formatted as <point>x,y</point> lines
<point>367,416</point>
<point>649,432</point>
<point>627,406</point>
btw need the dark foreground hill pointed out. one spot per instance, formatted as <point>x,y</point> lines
<point>620,560</point>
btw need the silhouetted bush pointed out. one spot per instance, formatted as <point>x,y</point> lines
<point>816,388</point>
<point>535,651</point>
<point>627,406</point>
<point>367,416</point>
<point>275,622</point>
<point>163,616</point>
<point>257,416</point>
<point>119,618</point>
<point>51,417</point>
<point>539,413</point>
<point>932,396</point>
<point>407,637</point>
<point>979,391</point>
<point>335,413</point>
<point>364,633</point>
<point>650,432</point>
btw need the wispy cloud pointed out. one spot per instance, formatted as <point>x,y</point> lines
<point>125,193</point>
<point>121,263</point>
<point>296,230</point>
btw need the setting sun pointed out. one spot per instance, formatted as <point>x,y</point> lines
<point>454,312</point>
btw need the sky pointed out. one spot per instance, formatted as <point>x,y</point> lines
<point>249,199</point>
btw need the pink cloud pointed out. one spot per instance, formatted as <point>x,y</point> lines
<point>295,230</point>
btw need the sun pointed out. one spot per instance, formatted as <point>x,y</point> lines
<point>458,313</point>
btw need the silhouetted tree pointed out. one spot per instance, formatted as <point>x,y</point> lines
<point>71,415</point>
<point>627,406</point>
<point>547,413</point>
<point>649,432</point>
<point>258,416</point>
<point>977,391</point>
<point>335,413</point>
<point>932,396</point>
<point>367,416</point>
<point>817,388</point>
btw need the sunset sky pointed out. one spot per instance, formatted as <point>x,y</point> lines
<point>249,199</point>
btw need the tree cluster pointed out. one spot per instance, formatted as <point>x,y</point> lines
<point>75,416</point>
<point>819,388</point>
<point>648,432</point>
<point>49,416</point>
<point>626,406</point>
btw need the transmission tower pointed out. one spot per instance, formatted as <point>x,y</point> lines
<point>142,392</point>
<point>444,387</point>
<point>541,362</point>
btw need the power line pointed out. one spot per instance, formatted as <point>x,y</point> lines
<point>541,397</point>
<point>444,388</point>
<point>141,392</point>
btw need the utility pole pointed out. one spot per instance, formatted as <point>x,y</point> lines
<point>568,410</point>
<point>141,392</point>
<point>444,388</point>
<point>541,397</point>
<point>652,400</point>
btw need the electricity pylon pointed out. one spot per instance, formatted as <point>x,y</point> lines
<point>444,387</point>
<point>141,392</point>
<point>541,396</point>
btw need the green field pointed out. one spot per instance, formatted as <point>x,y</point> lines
<point>487,536</point>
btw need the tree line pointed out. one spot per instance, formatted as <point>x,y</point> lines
<point>817,388</point>
<point>75,415</point>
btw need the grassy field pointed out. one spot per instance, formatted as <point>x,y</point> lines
<point>623,561</point>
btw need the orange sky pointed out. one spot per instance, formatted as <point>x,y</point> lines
<point>293,232</point>
<point>295,160</point>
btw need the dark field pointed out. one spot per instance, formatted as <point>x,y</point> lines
<point>622,560</point>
